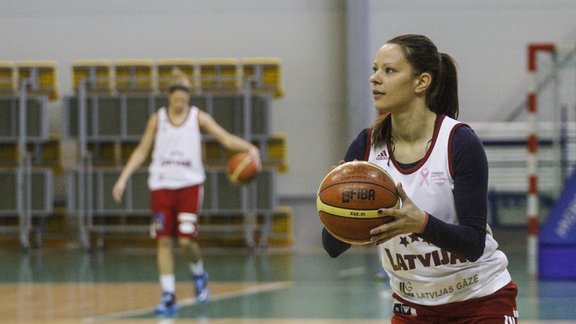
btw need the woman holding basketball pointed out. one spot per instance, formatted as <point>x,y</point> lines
<point>176,175</point>
<point>439,252</point>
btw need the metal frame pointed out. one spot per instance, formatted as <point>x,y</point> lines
<point>24,171</point>
<point>81,180</point>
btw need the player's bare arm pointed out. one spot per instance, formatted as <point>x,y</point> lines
<point>229,141</point>
<point>137,158</point>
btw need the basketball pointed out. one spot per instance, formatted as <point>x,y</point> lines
<point>349,198</point>
<point>242,168</point>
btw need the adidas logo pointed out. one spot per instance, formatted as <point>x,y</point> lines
<point>382,156</point>
<point>404,309</point>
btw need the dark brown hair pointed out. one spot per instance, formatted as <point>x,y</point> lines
<point>441,95</point>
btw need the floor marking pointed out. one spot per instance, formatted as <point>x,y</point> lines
<point>351,272</point>
<point>252,290</point>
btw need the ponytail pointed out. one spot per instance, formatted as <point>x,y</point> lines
<point>442,98</point>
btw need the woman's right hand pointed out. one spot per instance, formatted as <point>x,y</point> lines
<point>339,163</point>
<point>118,190</point>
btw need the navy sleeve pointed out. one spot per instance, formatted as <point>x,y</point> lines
<point>470,165</point>
<point>356,150</point>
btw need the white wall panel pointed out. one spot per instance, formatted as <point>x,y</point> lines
<point>487,38</point>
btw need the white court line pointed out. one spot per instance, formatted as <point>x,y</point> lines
<point>192,301</point>
<point>351,272</point>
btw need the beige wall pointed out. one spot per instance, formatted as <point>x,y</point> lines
<point>487,38</point>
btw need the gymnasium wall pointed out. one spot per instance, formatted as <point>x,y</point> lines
<point>487,38</point>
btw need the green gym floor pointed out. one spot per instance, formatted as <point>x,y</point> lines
<point>276,286</point>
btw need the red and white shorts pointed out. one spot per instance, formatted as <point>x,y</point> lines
<point>499,307</point>
<point>175,211</point>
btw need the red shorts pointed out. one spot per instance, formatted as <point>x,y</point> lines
<point>175,211</point>
<point>498,308</point>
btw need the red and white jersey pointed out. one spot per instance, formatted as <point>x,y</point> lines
<point>421,272</point>
<point>177,156</point>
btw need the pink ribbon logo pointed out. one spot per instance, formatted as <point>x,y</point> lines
<point>424,173</point>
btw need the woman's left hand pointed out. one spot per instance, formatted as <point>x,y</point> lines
<point>407,219</point>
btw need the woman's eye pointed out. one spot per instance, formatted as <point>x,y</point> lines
<point>389,70</point>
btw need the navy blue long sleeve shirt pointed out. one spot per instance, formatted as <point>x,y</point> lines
<point>466,239</point>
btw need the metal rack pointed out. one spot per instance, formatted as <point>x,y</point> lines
<point>108,126</point>
<point>28,190</point>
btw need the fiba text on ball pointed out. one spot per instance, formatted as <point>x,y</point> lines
<point>350,194</point>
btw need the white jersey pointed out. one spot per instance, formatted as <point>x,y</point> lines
<point>177,156</point>
<point>419,271</point>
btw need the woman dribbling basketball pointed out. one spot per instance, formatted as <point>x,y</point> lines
<point>176,177</point>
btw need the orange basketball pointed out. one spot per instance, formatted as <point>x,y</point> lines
<point>349,198</point>
<point>242,168</point>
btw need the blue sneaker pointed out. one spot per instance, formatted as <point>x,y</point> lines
<point>167,305</point>
<point>201,288</point>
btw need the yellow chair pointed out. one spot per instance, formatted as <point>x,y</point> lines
<point>276,154</point>
<point>264,75</point>
<point>96,75</point>
<point>220,75</point>
<point>7,78</point>
<point>134,76</point>
<point>164,68</point>
<point>40,77</point>
<point>282,227</point>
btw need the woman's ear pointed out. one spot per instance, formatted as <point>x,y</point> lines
<point>423,81</point>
